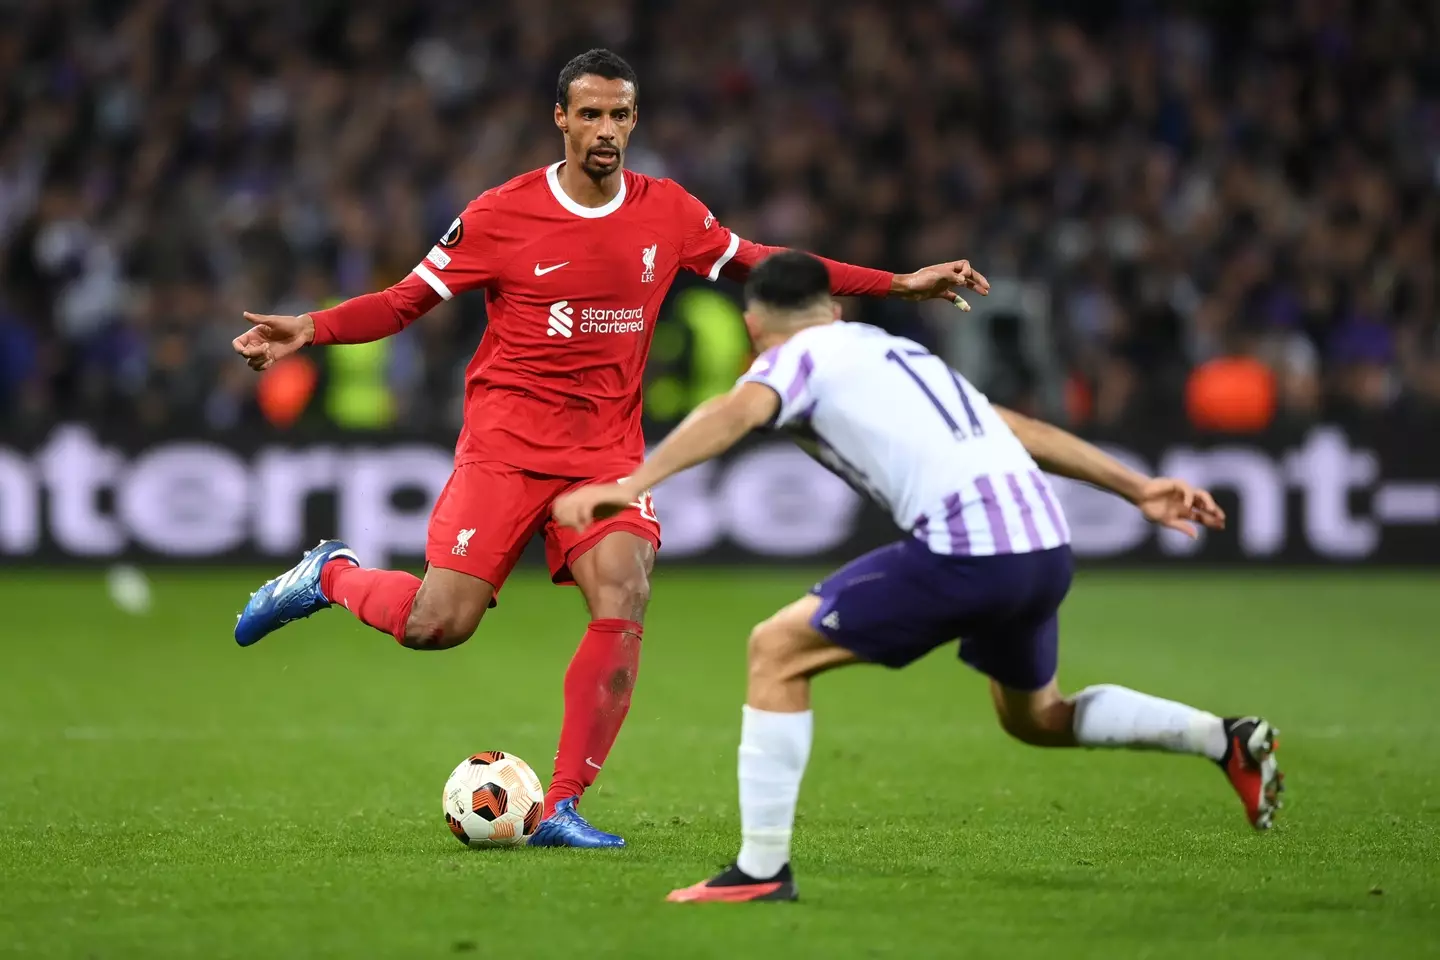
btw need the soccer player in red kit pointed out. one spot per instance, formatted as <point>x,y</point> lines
<point>574,260</point>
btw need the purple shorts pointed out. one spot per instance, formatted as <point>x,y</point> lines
<point>896,604</point>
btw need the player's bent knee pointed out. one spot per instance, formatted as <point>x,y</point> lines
<point>425,631</point>
<point>1040,730</point>
<point>771,651</point>
<point>446,611</point>
<point>1023,727</point>
<point>1040,719</point>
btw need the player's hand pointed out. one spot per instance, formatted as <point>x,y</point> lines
<point>273,338</point>
<point>1179,506</point>
<point>583,506</point>
<point>939,282</point>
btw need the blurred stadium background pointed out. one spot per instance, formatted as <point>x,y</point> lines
<point>1208,216</point>
<point>1212,230</point>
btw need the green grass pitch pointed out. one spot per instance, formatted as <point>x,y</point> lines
<point>164,793</point>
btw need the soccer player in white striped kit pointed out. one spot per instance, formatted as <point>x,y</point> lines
<point>987,559</point>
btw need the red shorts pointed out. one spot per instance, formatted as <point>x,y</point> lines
<point>488,511</point>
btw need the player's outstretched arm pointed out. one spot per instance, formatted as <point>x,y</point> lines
<point>712,428</point>
<point>1164,500</point>
<point>372,316</point>
<point>712,250</point>
<point>462,260</point>
<point>1066,455</point>
<point>937,282</point>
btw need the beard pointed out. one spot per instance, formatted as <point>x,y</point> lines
<point>599,166</point>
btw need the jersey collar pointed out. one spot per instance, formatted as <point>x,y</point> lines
<point>552,177</point>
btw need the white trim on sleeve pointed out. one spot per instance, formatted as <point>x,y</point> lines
<point>436,284</point>
<point>714,273</point>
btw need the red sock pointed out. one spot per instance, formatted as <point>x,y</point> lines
<point>597,697</point>
<point>379,598</point>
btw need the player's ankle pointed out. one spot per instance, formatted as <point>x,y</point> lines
<point>762,861</point>
<point>564,791</point>
<point>328,573</point>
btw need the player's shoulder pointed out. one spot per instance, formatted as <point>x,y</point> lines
<point>658,190</point>
<point>517,193</point>
<point>639,184</point>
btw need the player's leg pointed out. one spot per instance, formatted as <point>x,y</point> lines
<point>1106,716</point>
<point>1112,716</point>
<point>611,563</point>
<point>777,726</point>
<point>785,653</point>
<point>436,613</point>
<point>614,577</point>
<point>477,530</point>
<point>889,607</point>
<point>1019,652</point>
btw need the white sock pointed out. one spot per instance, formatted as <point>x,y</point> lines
<point>1111,716</point>
<point>774,748</point>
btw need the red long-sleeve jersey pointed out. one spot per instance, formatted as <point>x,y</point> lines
<point>572,295</point>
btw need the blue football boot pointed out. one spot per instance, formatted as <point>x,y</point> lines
<point>566,828</point>
<point>293,595</point>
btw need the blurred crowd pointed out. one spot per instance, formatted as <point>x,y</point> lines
<point>1150,186</point>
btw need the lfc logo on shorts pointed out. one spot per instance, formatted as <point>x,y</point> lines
<point>462,542</point>
<point>645,504</point>
<point>647,261</point>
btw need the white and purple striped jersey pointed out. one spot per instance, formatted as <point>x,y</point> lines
<point>893,420</point>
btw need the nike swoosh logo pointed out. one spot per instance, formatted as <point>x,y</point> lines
<point>592,763</point>
<point>540,273</point>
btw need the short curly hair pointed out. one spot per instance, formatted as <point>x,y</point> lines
<point>599,62</point>
<point>789,280</point>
